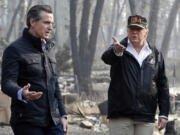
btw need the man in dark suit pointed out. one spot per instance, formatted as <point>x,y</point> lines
<point>29,77</point>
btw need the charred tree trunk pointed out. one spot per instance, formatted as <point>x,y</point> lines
<point>94,32</point>
<point>73,33</point>
<point>168,30</point>
<point>111,25</point>
<point>120,11</point>
<point>93,39</point>
<point>153,19</point>
<point>13,21</point>
<point>132,6</point>
<point>143,7</point>
<point>83,54</point>
<point>83,43</point>
<point>22,18</point>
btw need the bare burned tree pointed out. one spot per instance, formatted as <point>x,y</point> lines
<point>153,19</point>
<point>83,53</point>
<point>13,21</point>
<point>132,5</point>
<point>169,27</point>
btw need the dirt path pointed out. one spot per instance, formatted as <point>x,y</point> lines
<point>73,130</point>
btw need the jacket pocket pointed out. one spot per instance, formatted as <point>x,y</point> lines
<point>33,65</point>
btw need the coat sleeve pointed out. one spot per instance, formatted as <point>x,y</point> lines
<point>109,56</point>
<point>163,89</point>
<point>58,95</point>
<point>10,72</point>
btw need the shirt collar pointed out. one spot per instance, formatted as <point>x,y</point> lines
<point>43,44</point>
<point>145,47</point>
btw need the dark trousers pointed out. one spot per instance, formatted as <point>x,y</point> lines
<point>27,129</point>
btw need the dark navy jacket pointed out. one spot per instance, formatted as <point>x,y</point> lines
<point>135,91</point>
<point>24,62</point>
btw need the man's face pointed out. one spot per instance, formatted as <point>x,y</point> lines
<point>43,27</point>
<point>137,35</point>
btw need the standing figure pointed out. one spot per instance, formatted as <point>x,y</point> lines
<point>29,77</point>
<point>138,82</point>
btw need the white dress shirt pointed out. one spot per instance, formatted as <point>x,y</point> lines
<point>141,56</point>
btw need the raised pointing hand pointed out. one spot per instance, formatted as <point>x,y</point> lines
<point>117,46</point>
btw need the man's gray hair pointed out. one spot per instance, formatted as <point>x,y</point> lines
<point>35,13</point>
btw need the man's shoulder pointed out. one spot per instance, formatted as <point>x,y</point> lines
<point>157,53</point>
<point>153,48</point>
<point>15,46</point>
<point>17,42</point>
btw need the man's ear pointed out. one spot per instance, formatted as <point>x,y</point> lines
<point>147,31</point>
<point>32,22</point>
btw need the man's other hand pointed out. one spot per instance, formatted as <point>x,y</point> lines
<point>31,95</point>
<point>162,123</point>
<point>65,125</point>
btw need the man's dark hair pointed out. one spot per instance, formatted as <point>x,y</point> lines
<point>35,13</point>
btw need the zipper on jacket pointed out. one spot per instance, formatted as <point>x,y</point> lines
<point>142,77</point>
<point>142,66</point>
<point>133,57</point>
